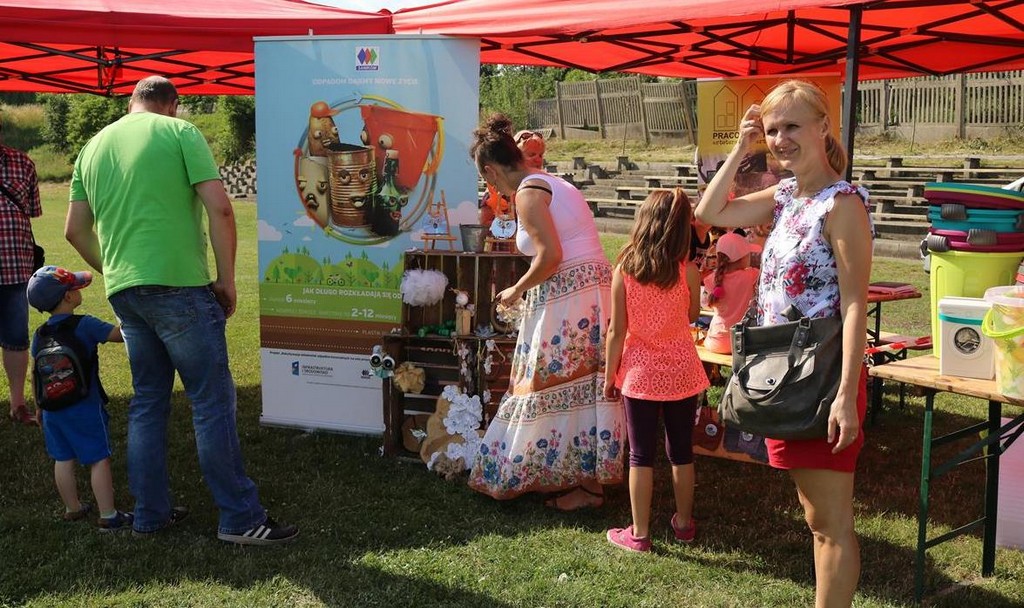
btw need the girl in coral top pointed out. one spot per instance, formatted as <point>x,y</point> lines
<point>731,287</point>
<point>652,361</point>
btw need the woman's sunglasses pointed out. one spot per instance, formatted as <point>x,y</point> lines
<point>528,135</point>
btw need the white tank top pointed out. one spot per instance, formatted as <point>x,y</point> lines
<point>574,222</point>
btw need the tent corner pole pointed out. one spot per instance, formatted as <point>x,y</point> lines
<point>850,87</point>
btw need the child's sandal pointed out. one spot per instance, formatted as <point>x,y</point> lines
<point>22,415</point>
<point>84,509</point>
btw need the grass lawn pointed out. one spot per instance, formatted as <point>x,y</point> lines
<point>381,532</point>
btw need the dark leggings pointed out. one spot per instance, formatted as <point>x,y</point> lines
<point>642,427</point>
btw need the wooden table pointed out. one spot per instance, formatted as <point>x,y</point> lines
<point>924,372</point>
<point>874,314</point>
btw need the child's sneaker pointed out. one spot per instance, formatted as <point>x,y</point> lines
<point>624,539</point>
<point>120,522</point>
<point>686,534</point>
<point>84,509</point>
<point>177,514</point>
<point>268,533</point>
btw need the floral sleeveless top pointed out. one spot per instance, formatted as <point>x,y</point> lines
<point>798,265</point>
<point>659,359</point>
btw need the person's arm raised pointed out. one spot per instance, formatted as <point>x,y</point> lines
<point>715,208</point>
<point>223,238</point>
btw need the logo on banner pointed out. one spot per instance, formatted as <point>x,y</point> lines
<point>295,368</point>
<point>368,58</point>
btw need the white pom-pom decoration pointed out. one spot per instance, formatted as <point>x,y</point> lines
<point>423,287</point>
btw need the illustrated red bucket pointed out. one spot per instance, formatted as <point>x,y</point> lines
<point>412,134</point>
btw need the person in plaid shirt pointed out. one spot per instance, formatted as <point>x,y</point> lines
<point>19,202</point>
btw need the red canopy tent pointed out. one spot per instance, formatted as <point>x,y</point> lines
<point>105,46</point>
<point>714,38</point>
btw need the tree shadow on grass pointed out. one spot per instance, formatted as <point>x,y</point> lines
<point>364,518</point>
<point>354,509</point>
<point>755,513</point>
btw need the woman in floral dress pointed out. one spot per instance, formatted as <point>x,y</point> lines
<point>554,430</point>
<point>817,258</point>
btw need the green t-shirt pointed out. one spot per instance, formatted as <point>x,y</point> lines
<point>138,175</point>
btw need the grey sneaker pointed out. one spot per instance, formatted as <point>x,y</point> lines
<point>177,514</point>
<point>268,533</point>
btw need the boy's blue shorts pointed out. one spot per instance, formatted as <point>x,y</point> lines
<point>77,433</point>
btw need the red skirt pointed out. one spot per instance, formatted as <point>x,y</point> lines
<point>817,453</point>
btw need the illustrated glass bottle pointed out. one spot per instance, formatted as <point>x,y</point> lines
<point>387,209</point>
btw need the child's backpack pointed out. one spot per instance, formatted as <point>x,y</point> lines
<point>62,369</point>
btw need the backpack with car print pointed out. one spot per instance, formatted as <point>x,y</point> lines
<point>62,369</point>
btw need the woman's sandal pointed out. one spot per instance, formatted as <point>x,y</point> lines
<point>22,415</point>
<point>593,501</point>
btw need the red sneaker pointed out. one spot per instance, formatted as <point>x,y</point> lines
<point>687,534</point>
<point>624,539</point>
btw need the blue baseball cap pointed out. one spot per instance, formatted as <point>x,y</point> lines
<point>48,285</point>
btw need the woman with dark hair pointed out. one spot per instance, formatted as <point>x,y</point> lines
<point>817,258</point>
<point>554,430</point>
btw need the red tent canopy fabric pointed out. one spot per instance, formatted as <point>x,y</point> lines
<point>714,38</point>
<point>104,46</point>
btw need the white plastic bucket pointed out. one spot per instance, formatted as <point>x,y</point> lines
<point>1004,323</point>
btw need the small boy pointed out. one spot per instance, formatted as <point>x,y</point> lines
<point>65,378</point>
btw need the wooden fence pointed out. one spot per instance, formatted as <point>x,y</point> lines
<point>618,108</point>
<point>921,109</point>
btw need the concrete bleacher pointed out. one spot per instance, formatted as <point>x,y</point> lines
<point>896,187</point>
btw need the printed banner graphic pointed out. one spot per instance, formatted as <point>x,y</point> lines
<point>362,147</point>
<point>721,105</point>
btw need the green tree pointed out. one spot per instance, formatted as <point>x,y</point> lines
<point>55,121</point>
<point>88,113</point>
<point>199,104</point>
<point>509,89</point>
<point>239,112</point>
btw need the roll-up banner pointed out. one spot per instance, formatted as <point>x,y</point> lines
<point>358,140</point>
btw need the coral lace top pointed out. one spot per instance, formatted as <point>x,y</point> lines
<point>659,360</point>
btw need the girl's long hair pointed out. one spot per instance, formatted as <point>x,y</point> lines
<point>721,262</point>
<point>813,97</point>
<point>660,240</point>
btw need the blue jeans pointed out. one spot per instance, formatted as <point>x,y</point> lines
<point>182,328</point>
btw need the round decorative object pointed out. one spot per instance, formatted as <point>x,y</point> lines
<point>503,228</point>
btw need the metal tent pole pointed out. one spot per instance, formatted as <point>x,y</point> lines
<point>850,87</point>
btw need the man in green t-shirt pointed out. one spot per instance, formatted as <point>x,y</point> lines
<point>138,193</point>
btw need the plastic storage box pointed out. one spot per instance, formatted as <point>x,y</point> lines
<point>966,352</point>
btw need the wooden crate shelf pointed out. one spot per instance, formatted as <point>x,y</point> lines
<point>481,275</point>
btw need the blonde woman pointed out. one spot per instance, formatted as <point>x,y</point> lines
<point>817,258</point>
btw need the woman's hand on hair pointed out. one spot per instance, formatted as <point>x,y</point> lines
<point>751,128</point>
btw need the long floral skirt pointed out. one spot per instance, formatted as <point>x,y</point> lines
<point>554,429</point>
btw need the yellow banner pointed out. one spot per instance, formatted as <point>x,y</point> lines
<point>722,103</point>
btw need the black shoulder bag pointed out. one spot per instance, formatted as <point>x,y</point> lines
<point>38,253</point>
<point>785,377</point>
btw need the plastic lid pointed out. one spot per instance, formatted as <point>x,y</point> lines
<point>1006,295</point>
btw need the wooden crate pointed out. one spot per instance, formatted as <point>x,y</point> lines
<point>406,412</point>
<point>481,275</point>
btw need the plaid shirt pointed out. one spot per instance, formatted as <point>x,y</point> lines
<point>18,175</point>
